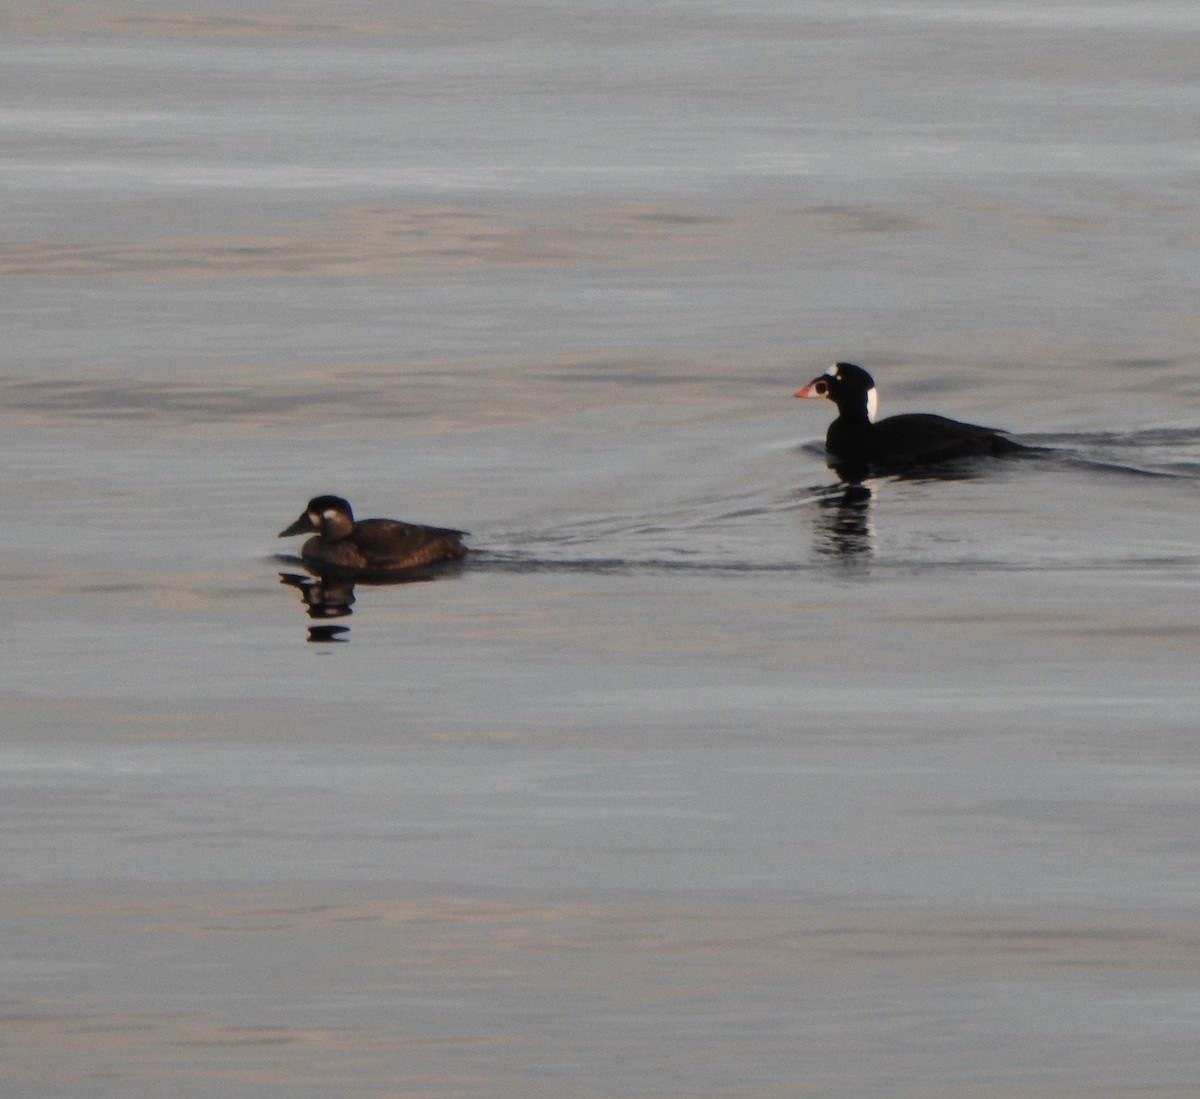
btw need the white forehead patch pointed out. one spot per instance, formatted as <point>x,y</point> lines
<point>872,404</point>
<point>834,371</point>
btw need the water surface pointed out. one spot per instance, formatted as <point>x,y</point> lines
<point>703,777</point>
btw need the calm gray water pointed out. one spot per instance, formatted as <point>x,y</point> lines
<point>700,779</point>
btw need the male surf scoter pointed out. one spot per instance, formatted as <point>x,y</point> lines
<point>370,545</point>
<point>857,441</point>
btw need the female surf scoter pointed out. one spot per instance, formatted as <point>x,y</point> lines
<point>374,545</point>
<point>857,441</point>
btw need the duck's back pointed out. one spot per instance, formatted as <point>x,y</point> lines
<point>915,439</point>
<point>388,544</point>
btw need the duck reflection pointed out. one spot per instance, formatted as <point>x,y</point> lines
<point>323,596</point>
<point>329,593</point>
<point>844,522</point>
<point>844,510</point>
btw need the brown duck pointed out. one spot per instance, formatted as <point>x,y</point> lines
<point>370,545</point>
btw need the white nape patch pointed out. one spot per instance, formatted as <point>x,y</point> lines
<point>872,404</point>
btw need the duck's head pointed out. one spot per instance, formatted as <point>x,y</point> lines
<point>328,516</point>
<point>850,387</point>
